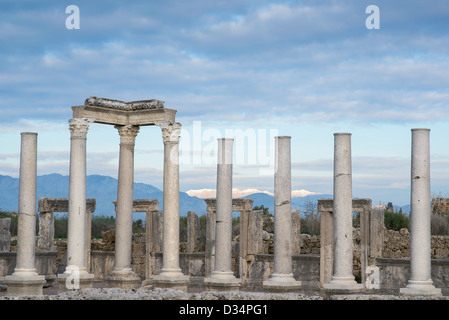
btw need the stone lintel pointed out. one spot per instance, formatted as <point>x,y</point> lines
<point>141,117</point>
<point>144,205</point>
<point>123,105</point>
<point>238,204</point>
<point>358,205</point>
<point>61,205</point>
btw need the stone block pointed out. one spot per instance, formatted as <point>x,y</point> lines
<point>5,235</point>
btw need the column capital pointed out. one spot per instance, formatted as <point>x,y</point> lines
<point>78,127</point>
<point>127,133</point>
<point>171,131</point>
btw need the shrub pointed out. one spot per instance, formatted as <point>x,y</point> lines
<point>100,224</point>
<point>183,229</point>
<point>14,221</point>
<point>311,222</point>
<point>61,225</point>
<point>439,225</point>
<point>138,226</point>
<point>396,220</point>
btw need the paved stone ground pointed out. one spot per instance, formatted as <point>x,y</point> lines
<point>101,292</point>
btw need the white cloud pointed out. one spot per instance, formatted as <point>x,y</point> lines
<point>237,193</point>
<point>303,193</point>
<point>281,64</point>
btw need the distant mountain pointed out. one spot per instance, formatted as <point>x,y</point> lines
<point>104,190</point>
<point>301,203</point>
<point>297,202</point>
<point>101,188</point>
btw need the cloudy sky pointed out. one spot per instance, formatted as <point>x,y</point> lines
<point>244,69</point>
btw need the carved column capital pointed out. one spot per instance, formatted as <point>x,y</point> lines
<point>127,133</point>
<point>78,127</point>
<point>171,131</point>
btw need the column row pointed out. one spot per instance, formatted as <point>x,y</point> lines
<point>122,275</point>
<point>25,278</point>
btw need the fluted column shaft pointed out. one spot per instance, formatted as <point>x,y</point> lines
<point>124,207</point>
<point>170,245</point>
<point>76,233</point>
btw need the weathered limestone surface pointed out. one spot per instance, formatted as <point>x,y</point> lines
<point>45,240</point>
<point>5,235</point>
<point>420,281</point>
<point>122,105</point>
<point>282,276</point>
<point>171,274</point>
<point>25,280</point>
<point>342,277</point>
<point>222,274</point>
<point>194,239</point>
<point>123,275</point>
<point>76,231</point>
<point>116,112</point>
<point>244,206</point>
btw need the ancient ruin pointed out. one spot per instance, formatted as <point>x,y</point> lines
<point>324,264</point>
<point>420,281</point>
<point>282,276</point>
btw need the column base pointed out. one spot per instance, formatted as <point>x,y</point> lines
<point>341,285</point>
<point>279,282</point>
<point>123,279</point>
<point>420,288</point>
<point>73,279</point>
<point>168,278</point>
<point>25,284</point>
<point>222,281</point>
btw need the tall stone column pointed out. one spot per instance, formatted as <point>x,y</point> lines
<point>171,274</point>
<point>342,277</point>
<point>123,276</point>
<point>76,276</point>
<point>223,275</point>
<point>282,276</point>
<point>420,282</point>
<point>25,280</point>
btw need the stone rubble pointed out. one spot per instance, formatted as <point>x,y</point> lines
<point>161,294</point>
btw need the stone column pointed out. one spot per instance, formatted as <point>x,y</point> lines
<point>209,259</point>
<point>420,282</point>
<point>46,230</point>
<point>5,235</point>
<point>193,232</point>
<point>326,240</point>
<point>376,234</point>
<point>25,280</point>
<point>223,275</point>
<point>123,276</point>
<point>342,277</point>
<point>171,274</point>
<point>76,276</point>
<point>282,276</point>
